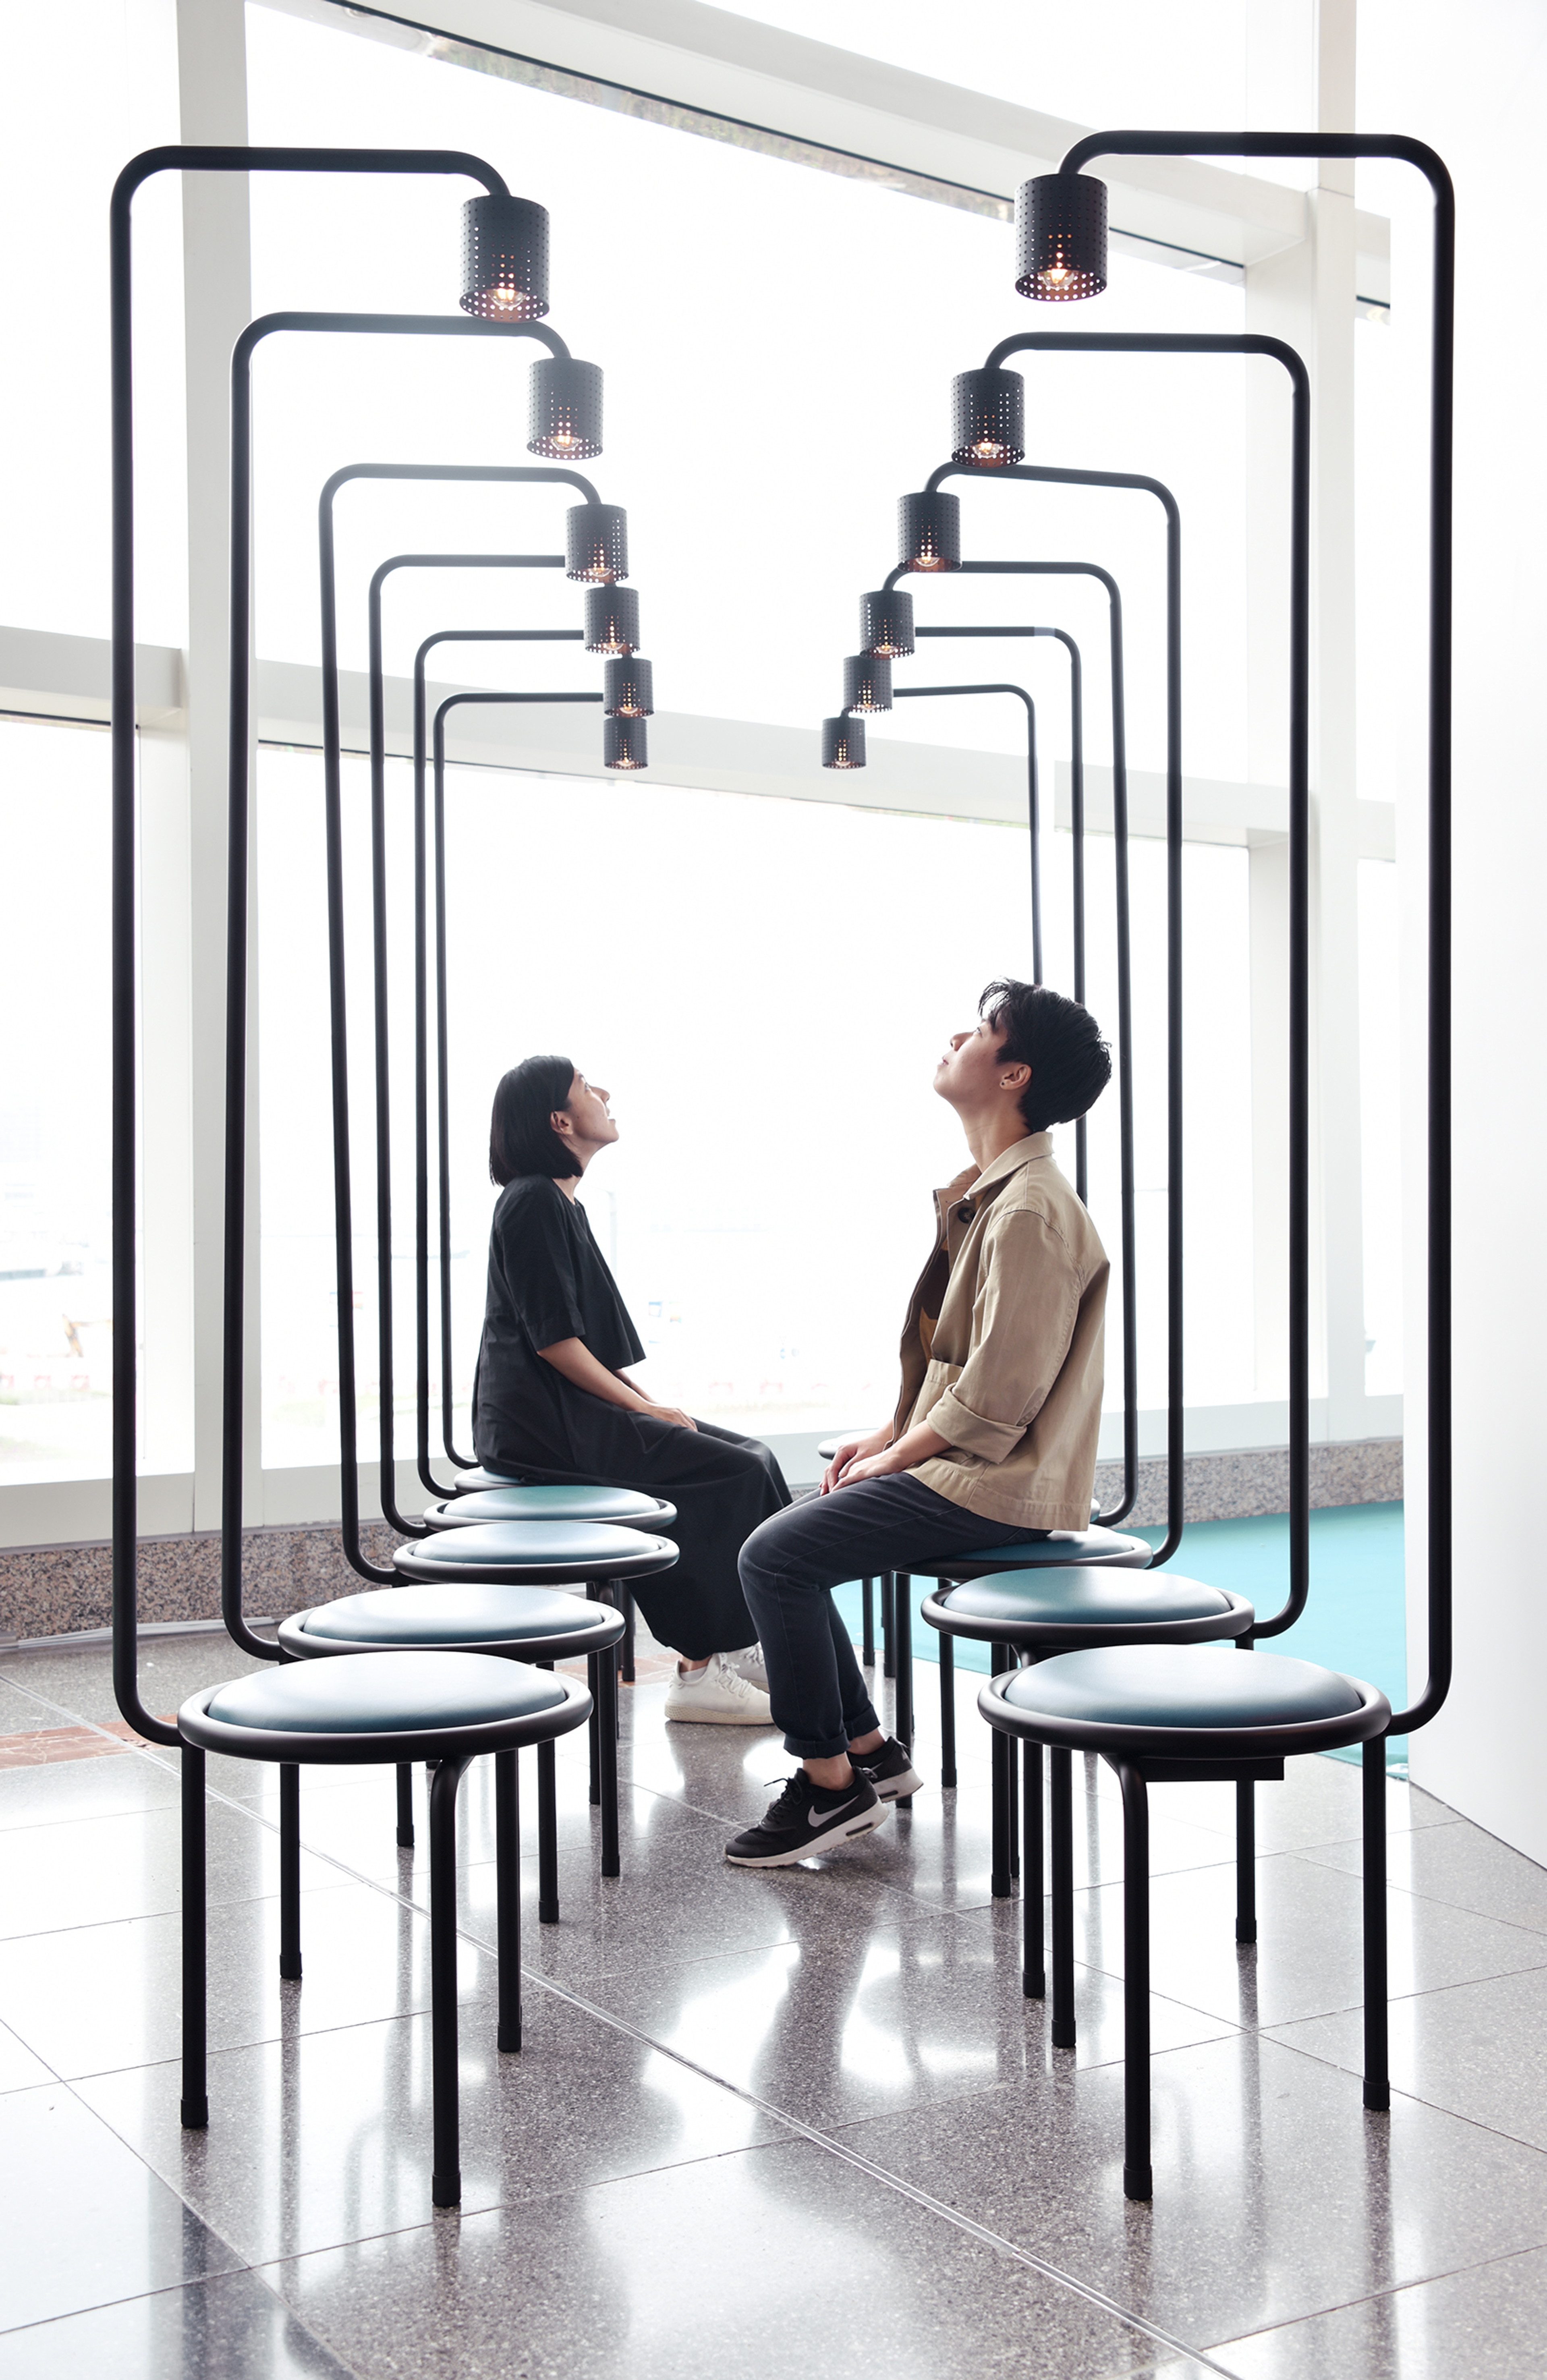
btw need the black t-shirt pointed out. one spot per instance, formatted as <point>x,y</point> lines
<point>548,1280</point>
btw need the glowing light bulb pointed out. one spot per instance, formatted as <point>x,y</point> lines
<point>504,297</point>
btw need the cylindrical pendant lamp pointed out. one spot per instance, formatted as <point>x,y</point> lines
<point>628,689</point>
<point>612,620</point>
<point>623,744</point>
<point>928,532</point>
<point>843,743</point>
<point>504,258</point>
<point>886,624</point>
<point>988,418</point>
<point>596,543</point>
<point>1061,237</point>
<point>564,419</point>
<point>866,683</point>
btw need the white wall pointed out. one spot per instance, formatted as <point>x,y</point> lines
<point>1475,87</point>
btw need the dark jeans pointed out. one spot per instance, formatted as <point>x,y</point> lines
<point>789,1566</point>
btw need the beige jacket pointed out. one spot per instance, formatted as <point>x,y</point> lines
<point>1002,1351</point>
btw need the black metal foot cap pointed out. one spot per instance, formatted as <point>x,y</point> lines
<point>1245,1929</point>
<point>611,1867</point>
<point>1377,2098</point>
<point>547,1912</point>
<point>195,2115</point>
<point>1139,2181</point>
<point>947,1780</point>
<point>1033,1986</point>
<point>289,1967</point>
<point>508,2037</point>
<point>405,1838</point>
<point>446,2189</point>
<point>1062,2035</point>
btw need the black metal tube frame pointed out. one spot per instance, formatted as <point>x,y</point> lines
<point>1034,805</point>
<point>332,794</point>
<point>421,1153</point>
<point>1127,1249</point>
<point>207,159</point>
<point>1349,147</point>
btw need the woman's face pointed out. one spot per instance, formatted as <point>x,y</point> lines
<point>587,1119</point>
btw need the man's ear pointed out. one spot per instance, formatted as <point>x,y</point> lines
<point>1015,1077</point>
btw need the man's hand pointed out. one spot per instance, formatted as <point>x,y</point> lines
<point>847,1453</point>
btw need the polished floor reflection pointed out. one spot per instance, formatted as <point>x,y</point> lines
<point>762,2125</point>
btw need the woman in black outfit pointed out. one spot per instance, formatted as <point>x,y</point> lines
<point>551,1401</point>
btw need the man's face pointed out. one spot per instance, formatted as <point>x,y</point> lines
<point>967,1074</point>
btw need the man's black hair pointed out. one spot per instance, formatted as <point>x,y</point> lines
<point>1060,1042</point>
<point>521,1136</point>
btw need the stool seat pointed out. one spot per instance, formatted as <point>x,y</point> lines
<point>384,1705</point>
<point>471,1483</point>
<point>1185,1702</point>
<point>533,1623</point>
<point>1110,1548</point>
<point>627,1508</point>
<point>1049,1605</point>
<point>536,1553</point>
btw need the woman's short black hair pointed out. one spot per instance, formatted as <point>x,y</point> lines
<point>1060,1042</point>
<point>521,1136</point>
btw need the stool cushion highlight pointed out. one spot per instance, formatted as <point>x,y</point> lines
<point>469,1483</point>
<point>374,1694</point>
<point>1085,1597</point>
<point>615,1504</point>
<point>456,1613</point>
<point>1183,1686</point>
<point>506,1545</point>
<point>1064,1546</point>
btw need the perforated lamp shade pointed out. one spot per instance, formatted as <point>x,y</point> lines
<point>504,258</point>
<point>988,418</point>
<point>565,419</point>
<point>886,624</point>
<point>866,683</point>
<point>596,543</point>
<point>1061,237</point>
<point>612,620</point>
<point>928,532</point>
<point>623,743</point>
<point>843,743</point>
<point>628,689</point>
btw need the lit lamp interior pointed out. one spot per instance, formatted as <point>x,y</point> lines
<point>504,258</point>
<point>564,415</point>
<point>988,418</point>
<point>866,683</point>
<point>1061,237</point>
<point>886,624</point>
<point>628,689</point>
<point>596,543</point>
<point>612,620</point>
<point>843,743</point>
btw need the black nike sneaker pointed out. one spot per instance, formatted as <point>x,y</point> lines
<point>807,1818</point>
<point>890,1770</point>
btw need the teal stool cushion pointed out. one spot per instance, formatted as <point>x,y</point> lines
<point>1183,1686</point>
<point>454,1614</point>
<point>1086,1598</point>
<point>469,1483</point>
<point>612,1504</point>
<point>1064,1546</point>
<point>505,1544</point>
<point>375,1693</point>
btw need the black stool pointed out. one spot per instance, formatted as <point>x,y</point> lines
<point>1037,1612</point>
<point>1167,1713</point>
<point>626,1508</point>
<point>447,1708</point>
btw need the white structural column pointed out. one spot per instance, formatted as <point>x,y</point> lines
<point>212,65</point>
<point>1306,298</point>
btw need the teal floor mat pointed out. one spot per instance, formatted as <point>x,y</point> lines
<point>1355,1619</point>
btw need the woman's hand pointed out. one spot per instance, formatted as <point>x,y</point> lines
<point>847,1453</point>
<point>870,1461</point>
<point>673,1414</point>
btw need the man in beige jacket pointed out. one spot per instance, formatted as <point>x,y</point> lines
<point>995,1435</point>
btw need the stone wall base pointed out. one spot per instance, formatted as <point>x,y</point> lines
<point>58,1590</point>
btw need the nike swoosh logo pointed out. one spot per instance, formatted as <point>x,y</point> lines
<point>820,1817</point>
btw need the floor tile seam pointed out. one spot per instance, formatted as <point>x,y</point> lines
<point>192,2281</point>
<point>1375,2297</point>
<point>1413,2098</point>
<point>1438,1900</point>
<point>848,2154</point>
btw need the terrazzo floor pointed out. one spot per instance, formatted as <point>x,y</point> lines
<point>762,2125</point>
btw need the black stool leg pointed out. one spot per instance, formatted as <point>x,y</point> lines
<point>1011,1799</point>
<point>867,1619</point>
<point>947,1711</point>
<point>1033,1975</point>
<point>999,1772</point>
<point>289,1872</point>
<point>507,1887</point>
<point>593,1725</point>
<point>196,2103</point>
<point>902,1651</point>
<point>627,1649</point>
<point>1245,1860</point>
<point>445,2187</point>
<point>547,1831</point>
<point>1062,1815</point>
<point>1377,2076</point>
<point>888,1666</point>
<point>607,1740</point>
<point>405,1805</point>
<point>1139,2180</point>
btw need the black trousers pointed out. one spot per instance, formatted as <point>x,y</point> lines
<point>790,1567</point>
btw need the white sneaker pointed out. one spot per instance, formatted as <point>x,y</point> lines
<point>750,1664</point>
<point>717,1696</point>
